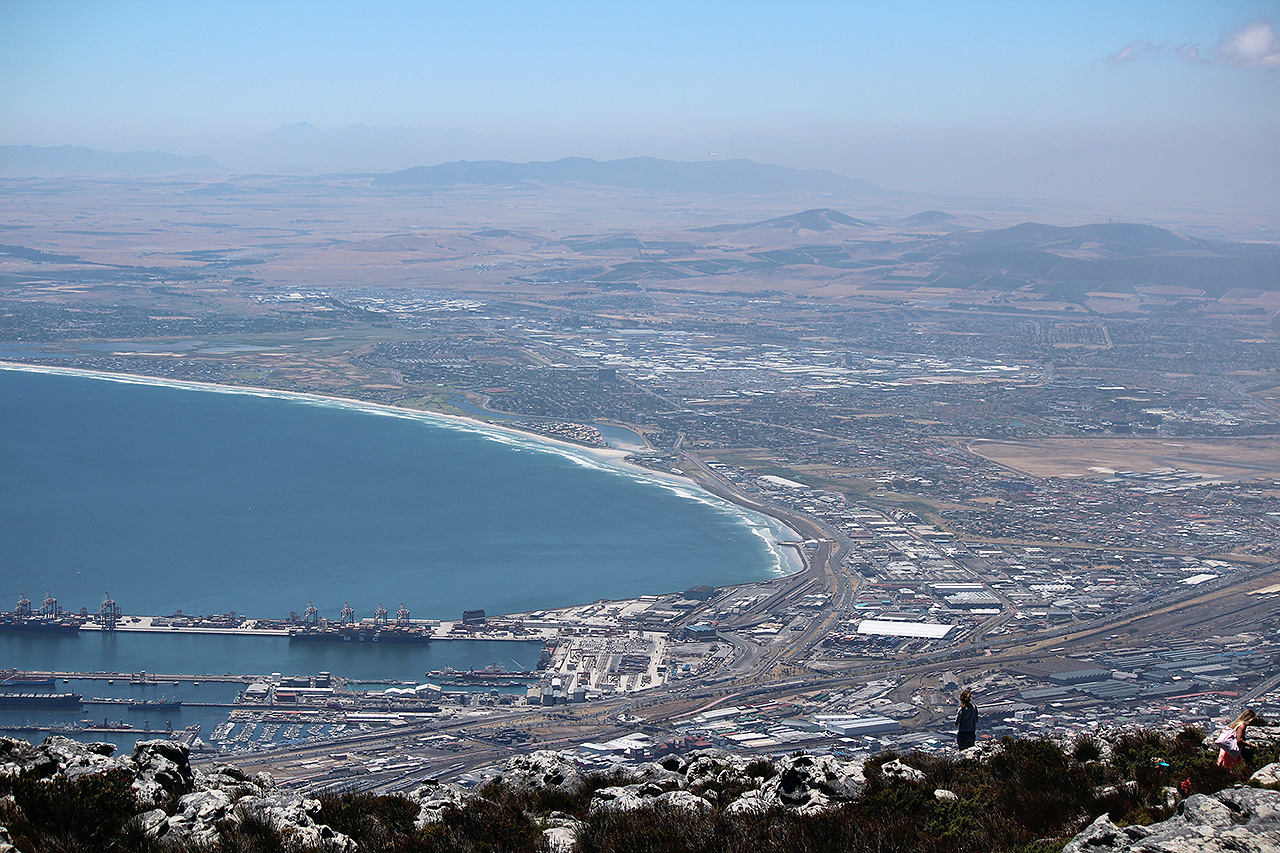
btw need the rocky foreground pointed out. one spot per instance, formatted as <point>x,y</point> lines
<point>1099,795</point>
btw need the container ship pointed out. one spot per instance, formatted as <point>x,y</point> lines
<point>39,624</point>
<point>361,634</point>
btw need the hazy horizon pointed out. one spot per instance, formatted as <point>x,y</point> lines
<point>1146,103</point>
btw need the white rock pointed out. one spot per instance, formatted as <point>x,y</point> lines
<point>1269,775</point>
<point>685,800</point>
<point>895,769</point>
<point>1238,820</point>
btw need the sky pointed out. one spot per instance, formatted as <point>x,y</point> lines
<point>1171,100</point>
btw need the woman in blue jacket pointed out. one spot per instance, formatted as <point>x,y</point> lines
<point>966,721</point>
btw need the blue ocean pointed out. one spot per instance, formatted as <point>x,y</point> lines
<point>182,497</point>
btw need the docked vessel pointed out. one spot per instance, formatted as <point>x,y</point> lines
<point>40,700</point>
<point>491,674</point>
<point>361,634</point>
<point>21,680</point>
<point>154,705</point>
<point>39,624</point>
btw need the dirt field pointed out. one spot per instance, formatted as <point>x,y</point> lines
<point>1236,458</point>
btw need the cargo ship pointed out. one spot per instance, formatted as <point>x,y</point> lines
<point>361,634</point>
<point>40,700</point>
<point>39,624</point>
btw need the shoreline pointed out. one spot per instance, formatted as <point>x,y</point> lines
<point>788,561</point>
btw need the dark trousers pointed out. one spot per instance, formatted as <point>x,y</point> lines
<point>965,739</point>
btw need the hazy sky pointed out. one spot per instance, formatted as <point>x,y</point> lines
<point>1151,99</point>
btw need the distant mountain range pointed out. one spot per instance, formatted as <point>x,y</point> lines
<point>730,177</point>
<point>938,250</point>
<point>77,160</point>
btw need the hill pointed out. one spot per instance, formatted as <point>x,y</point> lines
<point>817,219</point>
<point>1120,238</point>
<point>646,173</point>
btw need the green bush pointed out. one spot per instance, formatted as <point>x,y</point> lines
<point>86,812</point>
<point>372,821</point>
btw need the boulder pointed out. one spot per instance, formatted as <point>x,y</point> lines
<point>1237,820</point>
<point>56,755</point>
<point>810,783</point>
<point>640,795</point>
<point>657,774</point>
<point>561,832</point>
<point>197,816</point>
<point>541,769</point>
<point>433,799</point>
<point>235,783</point>
<point>620,798</point>
<point>895,769</point>
<point>1269,775</point>
<point>154,823</point>
<point>715,767</point>
<point>750,803</point>
<point>162,771</point>
<point>297,822</point>
<point>684,800</point>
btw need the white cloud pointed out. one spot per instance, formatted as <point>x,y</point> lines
<point>1133,51</point>
<point>1255,45</point>
<point>1191,53</point>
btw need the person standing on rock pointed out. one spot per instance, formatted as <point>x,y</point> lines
<point>966,721</point>
<point>1231,753</point>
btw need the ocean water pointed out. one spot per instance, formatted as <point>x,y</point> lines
<point>187,498</point>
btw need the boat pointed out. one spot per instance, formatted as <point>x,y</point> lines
<point>396,634</point>
<point>40,700</point>
<point>39,624</point>
<point>361,634</point>
<point>340,634</point>
<point>154,705</point>
<point>488,674</point>
<point>25,681</point>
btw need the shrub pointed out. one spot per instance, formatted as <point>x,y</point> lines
<point>86,812</point>
<point>253,832</point>
<point>372,821</point>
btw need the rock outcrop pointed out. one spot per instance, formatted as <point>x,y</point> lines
<point>1268,776</point>
<point>176,802</point>
<point>1237,820</point>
